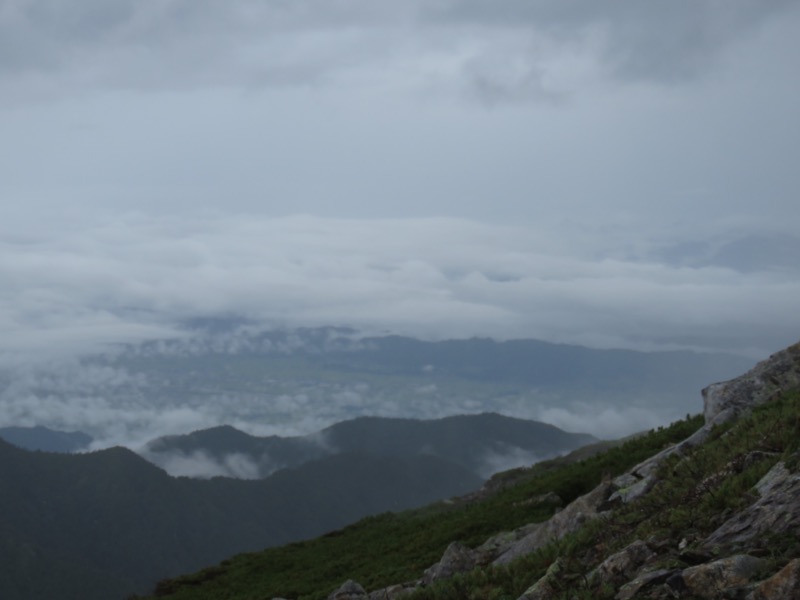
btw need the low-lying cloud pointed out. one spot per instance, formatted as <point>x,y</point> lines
<point>201,465</point>
<point>138,278</point>
<point>510,457</point>
<point>204,464</point>
<point>611,422</point>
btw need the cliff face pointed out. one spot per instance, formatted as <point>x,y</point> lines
<point>715,516</point>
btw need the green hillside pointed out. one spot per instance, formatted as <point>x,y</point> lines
<point>391,548</point>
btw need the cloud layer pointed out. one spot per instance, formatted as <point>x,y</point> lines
<point>506,51</point>
<point>136,278</point>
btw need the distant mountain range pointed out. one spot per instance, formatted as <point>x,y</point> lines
<point>519,361</point>
<point>482,444</point>
<point>532,362</point>
<point>45,439</point>
<point>300,380</point>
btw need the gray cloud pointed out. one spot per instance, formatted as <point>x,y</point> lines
<point>509,457</point>
<point>134,280</point>
<point>184,43</point>
<point>665,40</point>
<point>507,50</point>
<point>611,422</point>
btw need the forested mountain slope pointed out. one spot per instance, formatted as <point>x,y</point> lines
<point>106,524</point>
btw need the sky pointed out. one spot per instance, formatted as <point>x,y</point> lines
<point>615,174</point>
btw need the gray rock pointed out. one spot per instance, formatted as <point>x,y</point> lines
<point>773,480</point>
<point>625,480</point>
<point>714,579</point>
<point>776,511</point>
<point>784,585</point>
<point>350,590</point>
<point>621,566</point>
<point>643,582</point>
<point>500,543</point>
<point>724,401</point>
<point>568,520</point>
<point>633,490</point>
<point>456,559</point>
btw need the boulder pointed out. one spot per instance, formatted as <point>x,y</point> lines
<point>567,521</point>
<point>777,511</point>
<point>784,585</point>
<point>724,401</point>
<point>716,578</point>
<point>456,559</point>
<point>622,566</point>
<point>349,590</point>
<point>500,543</point>
<point>631,487</point>
<point>642,582</point>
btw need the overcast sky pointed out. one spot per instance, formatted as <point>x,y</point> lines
<point>616,174</point>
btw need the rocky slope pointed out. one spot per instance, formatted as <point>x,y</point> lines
<point>715,516</point>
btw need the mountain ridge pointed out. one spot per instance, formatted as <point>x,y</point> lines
<point>471,441</point>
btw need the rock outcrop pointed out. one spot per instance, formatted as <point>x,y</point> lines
<point>566,521</point>
<point>784,585</point>
<point>718,578</point>
<point>456,559</point>
<point>725,401</point>
<point>349,590</point>
<point>728,563</point>
<point>621,567</point>
<point>775,512</point>
<point>393,592</point>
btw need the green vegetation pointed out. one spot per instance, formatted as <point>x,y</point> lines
<point>696,493</point>
<point>392,548</point>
